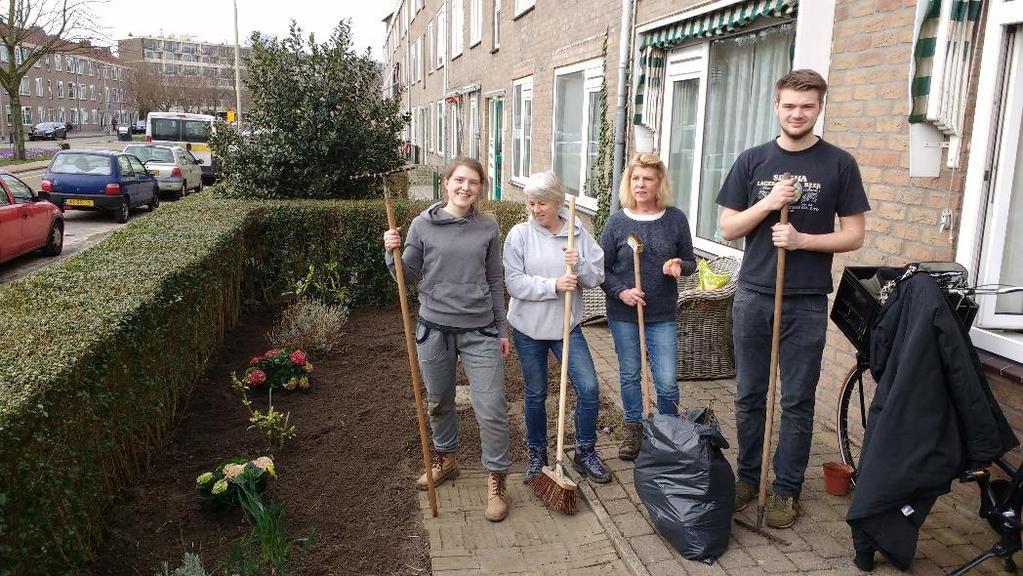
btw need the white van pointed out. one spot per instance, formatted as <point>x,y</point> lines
<point>190,131</point>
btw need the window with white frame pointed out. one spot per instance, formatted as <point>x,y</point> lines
<point>522,126</point>
<point>497,24</point>
<point>57,64</point>
<point>424,126</point>
<point>39,87</point>
<point>60,88</point>
<point>576,124</point>
<point>457,27</point>
<point>431,47</point>
<point>442,38</point>
<point>440,128</point>
<point>41,113</point>
<point>25,88</point>
<point>474,125</point>
<point>455,127</point>
<point>420,59</point>
<point>523,5</point>
<point>19,58</point>
<point>475,22</point>
<point>26,114</point>
<point>991,233</point>
<point>427,127</point>
<point>49,89</point>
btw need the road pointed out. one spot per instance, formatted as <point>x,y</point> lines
<point>81,229</point>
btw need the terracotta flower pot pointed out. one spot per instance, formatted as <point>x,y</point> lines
<point>837,478</point>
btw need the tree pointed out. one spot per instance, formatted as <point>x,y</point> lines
<point>148,90</point>
<point>32,29</point>
<point>317,118</point>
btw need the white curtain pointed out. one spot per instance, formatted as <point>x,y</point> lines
<point>740,113</point>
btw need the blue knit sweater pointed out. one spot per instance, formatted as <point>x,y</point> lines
<point>663,238</point>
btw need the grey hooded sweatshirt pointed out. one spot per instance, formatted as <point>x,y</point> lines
<point>533,262</point>
<point>457,263</point>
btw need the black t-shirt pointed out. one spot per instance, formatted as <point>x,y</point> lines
<point>831,186</point>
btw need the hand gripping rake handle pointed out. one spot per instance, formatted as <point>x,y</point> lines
<point>566,330</point>
<point>772,386</point>
<point>413,363</point>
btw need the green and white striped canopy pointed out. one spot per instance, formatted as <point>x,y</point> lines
<point>943,56</point>
<point>654,44</point>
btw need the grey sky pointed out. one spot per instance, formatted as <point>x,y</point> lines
<point>213,20</point>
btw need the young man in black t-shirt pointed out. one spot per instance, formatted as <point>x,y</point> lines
<point>763,180</point>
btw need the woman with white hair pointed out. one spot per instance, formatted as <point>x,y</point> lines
<point>535,255</point>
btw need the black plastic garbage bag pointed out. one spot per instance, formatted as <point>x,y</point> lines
<point>686,484</point>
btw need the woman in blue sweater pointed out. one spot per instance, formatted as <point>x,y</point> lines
<point>667,254</point>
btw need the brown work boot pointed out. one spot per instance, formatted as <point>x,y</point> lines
<point>782,511</point>
<point>630,444</point>
<point>445,466</point>
<point>744,494</point>
<point>497,502</point>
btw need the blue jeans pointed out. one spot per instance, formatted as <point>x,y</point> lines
<point>803,329</point>
<point>662,350</point>
<point>533,359</point>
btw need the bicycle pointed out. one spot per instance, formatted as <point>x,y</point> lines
<point>857,302</point>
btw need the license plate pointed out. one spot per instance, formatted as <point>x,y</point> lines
<point>77,202</point>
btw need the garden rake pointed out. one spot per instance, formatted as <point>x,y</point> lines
<point>552,486</point>
<point>637,248</point>
<point>410,346</point>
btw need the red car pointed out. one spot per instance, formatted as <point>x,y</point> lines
<point>28,221</point>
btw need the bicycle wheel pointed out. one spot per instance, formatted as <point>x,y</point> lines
<point>851,419</point>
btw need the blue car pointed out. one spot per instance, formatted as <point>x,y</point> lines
<point>100,180</point>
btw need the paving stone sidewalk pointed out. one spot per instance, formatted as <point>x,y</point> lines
<point>612,534</point>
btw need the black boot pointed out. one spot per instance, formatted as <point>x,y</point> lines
<point>587,462</point>
<point>537,460</point>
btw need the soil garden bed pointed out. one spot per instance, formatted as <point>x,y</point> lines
<point>347,477</point>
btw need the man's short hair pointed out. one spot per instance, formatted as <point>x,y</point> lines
<point>802,80</point>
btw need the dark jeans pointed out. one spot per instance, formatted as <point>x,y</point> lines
<point>803,328</point>
<point>533,356</point>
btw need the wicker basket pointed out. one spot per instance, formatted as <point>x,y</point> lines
<point>594,304</point>
<point>705,326</point>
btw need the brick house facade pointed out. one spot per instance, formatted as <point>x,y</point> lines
<point>701,86</point>
<point>86,86</point>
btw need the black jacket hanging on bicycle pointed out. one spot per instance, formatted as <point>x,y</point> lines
<point>932,417</point>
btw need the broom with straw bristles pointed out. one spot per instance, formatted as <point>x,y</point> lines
<point>555,489</point>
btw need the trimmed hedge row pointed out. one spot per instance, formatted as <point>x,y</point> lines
<point>100,349</point>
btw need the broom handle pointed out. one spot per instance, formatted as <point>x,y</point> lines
<point>772,386</point>
<point>642,339</point>
<point>413,363</point>
<point>566,331</point>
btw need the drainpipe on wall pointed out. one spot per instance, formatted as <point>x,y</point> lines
<point>624,52</point>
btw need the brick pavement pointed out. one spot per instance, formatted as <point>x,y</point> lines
<point>611,533</point>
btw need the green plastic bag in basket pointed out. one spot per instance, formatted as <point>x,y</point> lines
<point>707,279</point>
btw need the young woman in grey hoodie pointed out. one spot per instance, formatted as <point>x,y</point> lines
<point>535,255</point>
<point>453,251</point>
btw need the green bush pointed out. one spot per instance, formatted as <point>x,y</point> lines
<point>101,349</point>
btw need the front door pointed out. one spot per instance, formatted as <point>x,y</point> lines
<point>494,145</point>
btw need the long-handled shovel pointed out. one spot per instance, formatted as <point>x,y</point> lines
<point>637,248</point>
<point>772,386</point>
<point>555,489</point>
<point>413,363</point>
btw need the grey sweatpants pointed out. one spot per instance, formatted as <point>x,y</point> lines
<point>480,351</point>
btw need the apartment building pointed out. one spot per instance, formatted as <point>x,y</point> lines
<point>86,86</point>
<point>185,60</point>
<point>926,94</point>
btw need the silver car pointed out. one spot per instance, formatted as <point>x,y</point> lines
<point>174,168</point>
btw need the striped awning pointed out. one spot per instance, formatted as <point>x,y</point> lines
<point>654,44</point>
<point>943,57</point>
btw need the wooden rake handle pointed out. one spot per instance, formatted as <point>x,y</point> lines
<point>644,366</point>
<point>413,362</point>
<point>566,331</point>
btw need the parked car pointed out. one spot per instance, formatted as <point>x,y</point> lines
<point>100,180</point>
<point>47,131</point>
<point>27,220</point>
<point>175,169</point>
<point>138,127</point>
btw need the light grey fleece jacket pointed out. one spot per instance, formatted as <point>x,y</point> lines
<point>457,263</point>
<point>533,262</point>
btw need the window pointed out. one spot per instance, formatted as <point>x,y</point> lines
<point>522,5</point>
<point>49,89</point>
<point>475,22</point>
<point>60,88</point>
<point>92,92</point>
<point>441,50</point>
<point>474,125</point>
<point>576,124</point>
<point>39,87</point>
<point>25,89</point>
<point>456,127</point>
<point>440,128</point>
<point>424,122</point>
<point>457,27</point>
<point>522,124</point>
<point>991,236</point>
<point>26,114</point>
<point>420,59</point>
<point>18,56</point>
<point>431,47</point>
<point>3,54</point>
<point>497,24</point>
<point>57,63</point>
<point>22,193</point>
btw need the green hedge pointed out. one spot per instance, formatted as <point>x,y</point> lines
<point>99,350</point>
